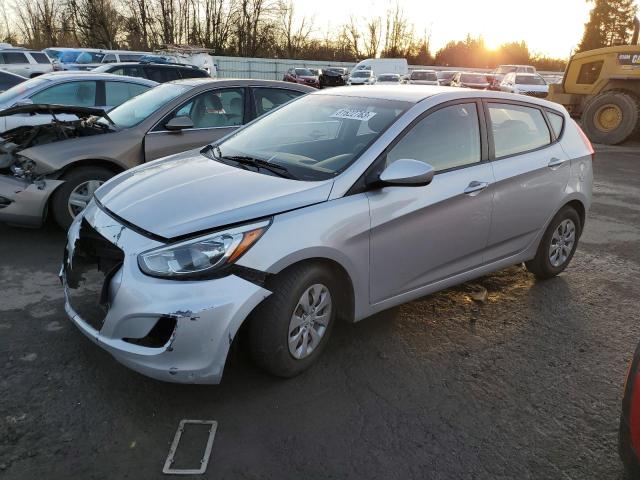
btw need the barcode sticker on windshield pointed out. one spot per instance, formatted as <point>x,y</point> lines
<point>351,114</point>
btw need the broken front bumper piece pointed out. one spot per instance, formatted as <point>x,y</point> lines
<point>176,331</point>
<point>23,202</point>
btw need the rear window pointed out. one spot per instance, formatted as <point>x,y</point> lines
<point>14,57</point>
<point>530,80</point>
<point>428,76</point>
<point>473,78</point>
<point>517,129</point>
<point>162,74</point>
<point>129,57</point>
<point>40,57</point>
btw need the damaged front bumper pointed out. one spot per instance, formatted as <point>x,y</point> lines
<point>176,331</point>
<point>24,202</point>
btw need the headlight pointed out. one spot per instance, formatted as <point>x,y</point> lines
<point>201,256</point>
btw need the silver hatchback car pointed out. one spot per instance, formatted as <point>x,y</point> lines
<point>337,205</point>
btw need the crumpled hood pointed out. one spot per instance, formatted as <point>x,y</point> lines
<point>44,108</point>
<point>188,193</point>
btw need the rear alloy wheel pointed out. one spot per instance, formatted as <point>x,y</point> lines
<point>557,246</point>
<point>288,331</point>
<point>76,192</point>
<point>611,117</point>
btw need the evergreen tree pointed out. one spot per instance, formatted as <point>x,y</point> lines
<point>610,23</point>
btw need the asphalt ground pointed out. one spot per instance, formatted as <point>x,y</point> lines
<point>526,384</point>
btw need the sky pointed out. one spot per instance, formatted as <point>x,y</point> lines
<point>550,27</point>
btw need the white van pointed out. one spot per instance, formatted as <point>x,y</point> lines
<point>384,65</point>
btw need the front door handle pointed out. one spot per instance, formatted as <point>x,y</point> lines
<point>475,187</point>
<point>555,163</point>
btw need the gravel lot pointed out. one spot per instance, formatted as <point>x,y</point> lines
<point>524,385</point>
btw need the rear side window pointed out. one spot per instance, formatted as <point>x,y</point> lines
<point>162,74</point>
<point>589,72</point>
<point>82,94</point>
<point>109,58</point>
<point>192,73</point>
<point>517,129</point>
<point>557,122</point>
<point>269,98</point>
<point>39,57</point>
<point>129,57</point>
<point>14,57</point>
<point>447,138</point>
<point>119,92</point>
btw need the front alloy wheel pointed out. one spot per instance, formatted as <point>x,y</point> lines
<point>309,321</point>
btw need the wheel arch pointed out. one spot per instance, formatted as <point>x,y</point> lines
<point>92,162</point>
<point>346,292</point>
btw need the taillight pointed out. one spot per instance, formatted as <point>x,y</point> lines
<point>587,142</point>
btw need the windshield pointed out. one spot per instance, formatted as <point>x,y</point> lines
<point>429,76</point>
<point>9,96</point>
<point>388,78</point>
<point>134,111</point>
<point>473,78</point>
<point>362,74</point>
<point>315,137</point>
<point>304,72</point>
<point>529,80</point>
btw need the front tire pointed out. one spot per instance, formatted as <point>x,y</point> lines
<point>558,245</point>
<point>76,192</point>
<point>289,330</point>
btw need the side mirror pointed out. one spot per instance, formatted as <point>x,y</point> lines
<point>179,123</point>
<point>23,102</point>
<point>407,172</point>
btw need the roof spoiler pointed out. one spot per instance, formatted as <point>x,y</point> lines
<point>636,31</point>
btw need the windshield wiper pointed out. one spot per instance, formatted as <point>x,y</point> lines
<point>279,170</point>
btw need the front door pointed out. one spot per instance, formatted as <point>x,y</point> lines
<point>214,114</point>
<point>420,235</point>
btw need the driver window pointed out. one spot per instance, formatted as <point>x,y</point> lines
<point>214,109</point>
<point>447,138</point>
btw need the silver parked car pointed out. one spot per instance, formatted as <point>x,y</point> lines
<point>56,167</point>
<point>25,63</point>
<point>339,205</point>
<point>99,90</point>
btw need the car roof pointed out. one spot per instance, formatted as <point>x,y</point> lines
<point>19,50</point>
<point>241,82</point>
<point>418,93</point>
<point>423,70</point>
<point>153,64</point>
<point>88,75</point>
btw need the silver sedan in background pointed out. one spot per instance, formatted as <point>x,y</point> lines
<point>335,206</point>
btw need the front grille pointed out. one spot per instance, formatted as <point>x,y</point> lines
<point>536,94</point>
<point>88,274</point>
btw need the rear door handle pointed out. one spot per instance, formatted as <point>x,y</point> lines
<point>555,163</point>
<point>475,187</point>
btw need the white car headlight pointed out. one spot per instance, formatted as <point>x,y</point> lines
<point>203,256</point>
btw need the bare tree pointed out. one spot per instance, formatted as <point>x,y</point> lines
<point>351,34</point>
<point>398,34</point>
<point>295,33</point>
<point>38,21</point>
<point>372,37</point>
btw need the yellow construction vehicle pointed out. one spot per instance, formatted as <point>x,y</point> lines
<point>602,88</point>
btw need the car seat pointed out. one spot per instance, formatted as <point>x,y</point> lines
<point>209,112</point>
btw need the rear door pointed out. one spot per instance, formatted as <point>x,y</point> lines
<point>421,235</point>
<point>161,74</point>
<point>214,114</point>
<point>531,172</point>
<point>16,62</point>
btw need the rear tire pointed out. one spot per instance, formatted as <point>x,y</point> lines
<point>558,245</point>
<point>601,115</point>
<point>273,335</point>
<point>74,180</point>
